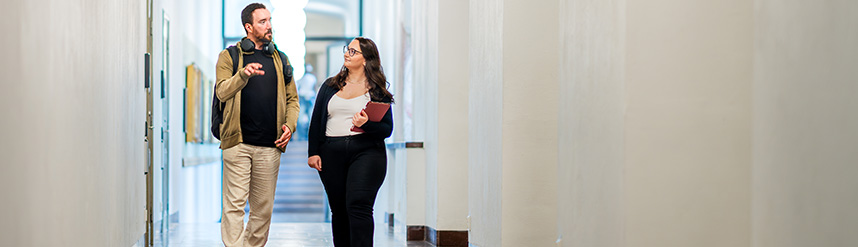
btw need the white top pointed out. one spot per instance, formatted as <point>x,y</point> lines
<point>340,114</point>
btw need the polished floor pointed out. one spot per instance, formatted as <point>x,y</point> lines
<point>300,214</point>
<point>282,234</point>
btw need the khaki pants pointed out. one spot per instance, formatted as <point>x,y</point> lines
<point>248,170</point>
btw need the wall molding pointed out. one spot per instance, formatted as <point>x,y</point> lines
<point>400,145</point>
<point>436,237</point>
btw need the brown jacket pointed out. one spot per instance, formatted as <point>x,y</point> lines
<point>228,91</point>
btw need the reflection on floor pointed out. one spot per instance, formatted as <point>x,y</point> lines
<point>299,209</point>
<point>282,234</point>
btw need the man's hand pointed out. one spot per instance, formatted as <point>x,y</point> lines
<point>315,162</point>
<point>253,69</point>
<point>284,139</point>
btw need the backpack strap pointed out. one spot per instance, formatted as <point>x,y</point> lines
<point>233,53</point>
<point>287,68</point>
<point>217,105</point>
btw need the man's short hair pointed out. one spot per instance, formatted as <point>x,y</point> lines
<point>247,13</point>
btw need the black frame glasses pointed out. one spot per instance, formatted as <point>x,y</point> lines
<point>350,51</point>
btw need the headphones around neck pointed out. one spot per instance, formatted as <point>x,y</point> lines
<point>268,48</point>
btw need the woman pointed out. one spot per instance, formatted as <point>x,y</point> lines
<point>351,164</point>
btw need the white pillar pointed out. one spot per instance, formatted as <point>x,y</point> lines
<point>441,73</point>
<point>485,95</point>
<point>805,118</point>
<point>448,156</point>
<point>513,123</point>
<point>591,156</point>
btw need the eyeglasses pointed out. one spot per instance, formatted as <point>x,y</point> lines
<point>350,51</point>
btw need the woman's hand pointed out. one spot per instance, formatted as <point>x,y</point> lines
<point>315,162</point>
<point>360,118</point>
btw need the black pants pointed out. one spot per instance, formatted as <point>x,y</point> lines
<point>353,169</point>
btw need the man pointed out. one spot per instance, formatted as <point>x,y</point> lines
<point>259,115</point>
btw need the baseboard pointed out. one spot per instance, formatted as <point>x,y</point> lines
<point>416,233</point>
<point>437,238</point>
<point>447,238</point>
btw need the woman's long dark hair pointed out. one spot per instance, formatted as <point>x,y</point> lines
<point>373,71</point>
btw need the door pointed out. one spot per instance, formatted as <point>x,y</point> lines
<point>165,127</point>
<point>149,126</point>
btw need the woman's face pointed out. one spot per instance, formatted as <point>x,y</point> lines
<point>355,61</point>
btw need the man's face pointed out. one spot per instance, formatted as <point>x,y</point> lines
<point>260,27</point>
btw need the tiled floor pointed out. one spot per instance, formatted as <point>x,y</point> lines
<point>282,234</point>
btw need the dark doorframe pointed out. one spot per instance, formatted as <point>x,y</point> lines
<point>150,228</point>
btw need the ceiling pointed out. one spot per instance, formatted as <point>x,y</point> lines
<point>325,18</point>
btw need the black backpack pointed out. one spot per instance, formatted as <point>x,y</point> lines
<point>217,106</point>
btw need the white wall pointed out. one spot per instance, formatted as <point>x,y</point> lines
<point>426,75</point>
<point>433,109</point>
<point>659,99</point>
<point>805,118</point>
<point>401,188</point>
<point>380,25</point>
<point>688,123</point>
<point>672,115</point>
<point>451,147</point>
<point>485,96</point>
<point>591,120</point>
<point>513,123</point>
<point>415,186</point>
<point>441,74</point>
<point>195,38</point>
<point>322,25</point>
<point>529,132</point>
<point>73,107</point>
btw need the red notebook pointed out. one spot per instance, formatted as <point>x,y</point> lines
<point>375,111</point>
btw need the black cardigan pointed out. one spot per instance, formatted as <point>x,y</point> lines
<point>318,123</point>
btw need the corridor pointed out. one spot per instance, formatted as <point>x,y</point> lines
<point>514,123</point>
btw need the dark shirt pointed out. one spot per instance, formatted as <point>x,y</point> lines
<point>373,131</point>
<point>259,103</point>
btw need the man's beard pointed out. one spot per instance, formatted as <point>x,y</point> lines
<point>264,37</point>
